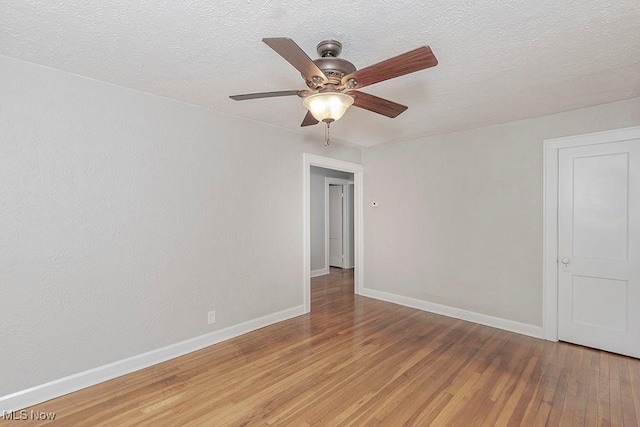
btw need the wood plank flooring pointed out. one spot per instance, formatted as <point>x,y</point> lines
<point>361,362</point>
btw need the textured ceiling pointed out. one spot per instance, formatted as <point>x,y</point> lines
<point>499,60</point>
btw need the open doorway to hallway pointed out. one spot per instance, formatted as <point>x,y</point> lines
<point>333,221</point>
<point>332,233</point>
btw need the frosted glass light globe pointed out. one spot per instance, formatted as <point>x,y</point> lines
<point>327,106</point>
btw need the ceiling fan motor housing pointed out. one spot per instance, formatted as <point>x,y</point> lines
<point>333,67</point>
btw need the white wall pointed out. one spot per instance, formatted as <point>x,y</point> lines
<point>317,213</point>
<point>125,217</point>
<point>460,216</point>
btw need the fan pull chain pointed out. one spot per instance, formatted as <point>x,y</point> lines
<point>327,135</point>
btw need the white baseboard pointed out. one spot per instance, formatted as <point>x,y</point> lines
<point>458,313</point>
<point>320,272</point>
<point>62,386</point>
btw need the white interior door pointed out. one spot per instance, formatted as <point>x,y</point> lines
<point>599,246</point>
<point>336,254</point>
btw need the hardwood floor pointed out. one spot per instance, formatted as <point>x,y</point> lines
<point>358,361</point>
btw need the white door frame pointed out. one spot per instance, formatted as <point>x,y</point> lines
<point>346,220</point>
<point>357,171</point>
<point>550,215</point>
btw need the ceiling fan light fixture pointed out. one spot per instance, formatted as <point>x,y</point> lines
<point>327,106</point>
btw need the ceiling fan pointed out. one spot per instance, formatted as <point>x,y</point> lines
<point>333,82</point>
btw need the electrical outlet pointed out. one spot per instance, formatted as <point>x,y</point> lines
<point>211,317</point>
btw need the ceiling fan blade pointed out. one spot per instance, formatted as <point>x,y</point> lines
<point>268,94</point>
<point>376,104</point>
<point>290,51</point>
<point>412,61</point>
<point>309,120</point>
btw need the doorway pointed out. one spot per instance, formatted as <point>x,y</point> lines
<point>309,161</point>
<point>592,235</point>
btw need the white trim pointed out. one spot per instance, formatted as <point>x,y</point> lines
<point>457,313</point>
<point>62,386</point>
<point>550,215</point>
<point>357,171</point>
<point>345,223</point>
<point>320,272</point>
<point>604,137</point>
<point>358,231</point>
